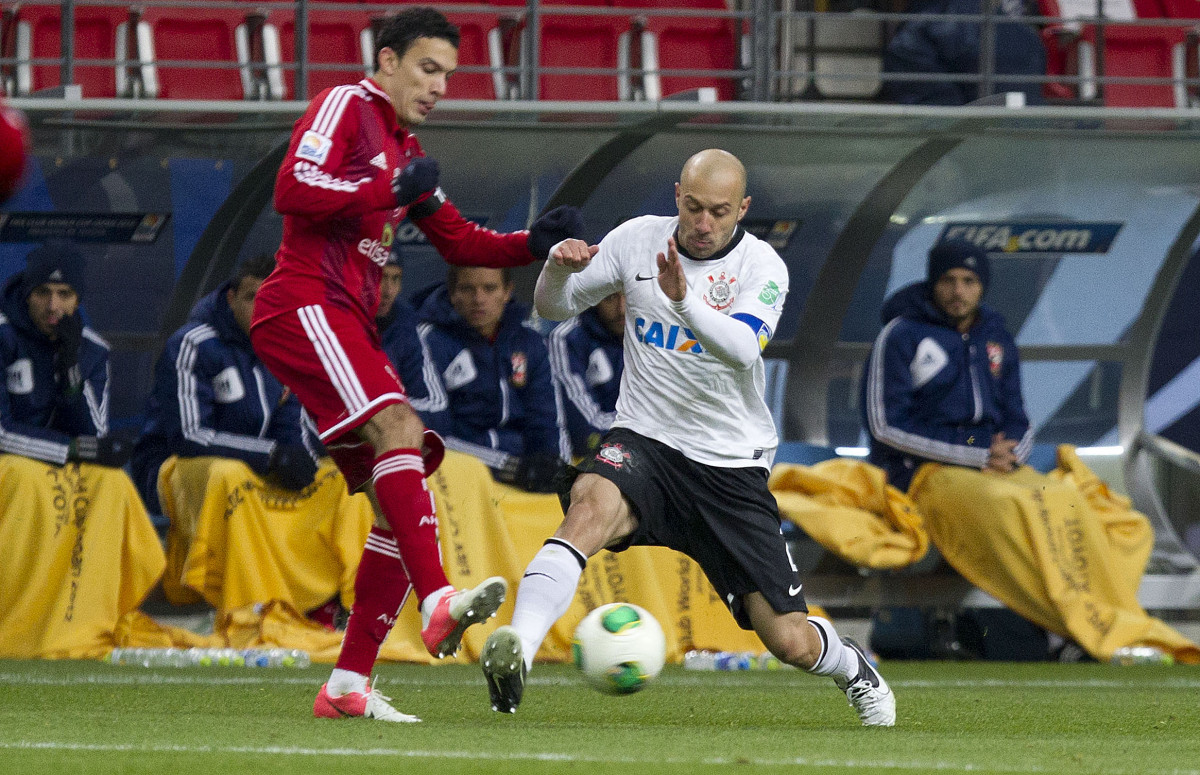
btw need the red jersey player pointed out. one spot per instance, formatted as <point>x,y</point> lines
<point>352,172</point>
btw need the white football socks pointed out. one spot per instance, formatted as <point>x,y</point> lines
<point>342,682</point>
<point>837,659</point>
<point>545,593</point>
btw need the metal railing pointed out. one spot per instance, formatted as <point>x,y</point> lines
<point>775,46</point>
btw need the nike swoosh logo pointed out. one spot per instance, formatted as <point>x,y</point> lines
<point>793,591</point>
<point>651,277</point>
<point>538,573</point>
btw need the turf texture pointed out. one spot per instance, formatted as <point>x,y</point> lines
<point>88,717</point>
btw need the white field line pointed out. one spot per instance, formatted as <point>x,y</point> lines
<point>552,756</point>
<point>132,676</point>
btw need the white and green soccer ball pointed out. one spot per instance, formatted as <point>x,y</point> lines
<point>620,648</point>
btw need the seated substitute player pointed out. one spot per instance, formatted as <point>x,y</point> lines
<point>944,379</point>
<point>686,462</point>
<point>397,321</point>
<point>79,550</point>
<point>495,372</point>
<point>213,398</point>
<point>587,355</point>
<point>56,405</point>
<point>352,172</point>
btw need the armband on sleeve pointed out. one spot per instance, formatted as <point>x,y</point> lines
<point>427,206</point>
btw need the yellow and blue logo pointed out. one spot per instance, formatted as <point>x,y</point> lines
<point>666,336</point>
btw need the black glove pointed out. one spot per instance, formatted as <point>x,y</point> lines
<point>563,222</point>
<point>291,467</point>
<point>112,450</point>
<point>69,337</point>
<point>538,472</point>
<point>419,176</point>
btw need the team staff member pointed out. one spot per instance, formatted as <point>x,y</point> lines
<point>495,371</point>
<point>587,354</point>
<point>213,398</point>
<point>686,462</point>
<point>397,321</point>
<point>943,381</point>
<point>353,170</point>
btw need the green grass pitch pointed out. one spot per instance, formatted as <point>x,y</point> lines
<point>88,717</point>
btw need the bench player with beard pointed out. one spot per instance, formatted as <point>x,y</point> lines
<point>686,462</point>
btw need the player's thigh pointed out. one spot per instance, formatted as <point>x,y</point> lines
<point>394,426</point>
<point>599,515</point>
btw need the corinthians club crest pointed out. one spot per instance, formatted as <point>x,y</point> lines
<point>614,455</point>
<point>722,290</point>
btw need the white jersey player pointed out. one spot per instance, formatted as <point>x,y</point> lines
<point>686,462</point>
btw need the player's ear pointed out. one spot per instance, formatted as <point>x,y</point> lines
<point>745,206</point>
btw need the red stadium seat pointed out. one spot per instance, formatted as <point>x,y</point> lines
<point>38,35</point>
<point>486,39</point>
<point>689,43</point>
<point>1129,52</point>
<point>334,38</point>
<point>582,41</point>
<point>183,35</point>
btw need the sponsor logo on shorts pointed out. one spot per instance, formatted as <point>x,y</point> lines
<point>614,455</point>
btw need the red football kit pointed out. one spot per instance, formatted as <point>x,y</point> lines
<point>314,317</point>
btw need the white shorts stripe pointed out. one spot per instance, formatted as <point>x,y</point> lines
<point>333,357</point>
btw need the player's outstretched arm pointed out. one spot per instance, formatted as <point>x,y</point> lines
<point>553,297</point>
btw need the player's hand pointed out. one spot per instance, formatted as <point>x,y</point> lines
<point>420,176</point>
<point>1002,456</point>
<point>670,273</point>
<point>68,338</point>
<point>574,254</point>
<point>113,450</point>
<point>563,222</point>
<point>291,467</point>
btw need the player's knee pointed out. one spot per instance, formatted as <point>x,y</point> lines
<point>395,426</point>
<point>795,642</point>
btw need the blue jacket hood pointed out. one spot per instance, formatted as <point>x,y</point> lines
<point>214,310</point>
<point>17,310</point>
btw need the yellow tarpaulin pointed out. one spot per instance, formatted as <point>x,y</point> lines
<point>848,507</point>
<point>78,553</point>
<point>1059,549</point>
<point>237,552</point>
<point>235,541</point>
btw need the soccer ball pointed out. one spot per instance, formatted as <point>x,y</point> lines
<point>619,647</point>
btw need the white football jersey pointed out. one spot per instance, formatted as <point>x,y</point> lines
<point>671,389</point>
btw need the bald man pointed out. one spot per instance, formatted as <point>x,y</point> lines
<point>685,464</point>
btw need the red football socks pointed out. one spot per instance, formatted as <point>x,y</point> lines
<point>408,506</point>
<point>380,589</point>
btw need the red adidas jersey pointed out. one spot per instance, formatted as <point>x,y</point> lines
<point>334,190</point>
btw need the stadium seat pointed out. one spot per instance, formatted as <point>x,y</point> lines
<point>35,32</point>
<point>673,43</point>
<point>574,41</point>
<point>334,38</point>
<point>1129,52</point>
<point>483,52</point>
<point>182,36</point>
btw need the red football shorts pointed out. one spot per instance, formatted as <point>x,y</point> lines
<point>339,372</point>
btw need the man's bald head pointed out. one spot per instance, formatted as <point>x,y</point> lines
<point>711,196</point>
<point>718,167</point>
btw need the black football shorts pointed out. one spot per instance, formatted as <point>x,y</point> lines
<point>723,518</point>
